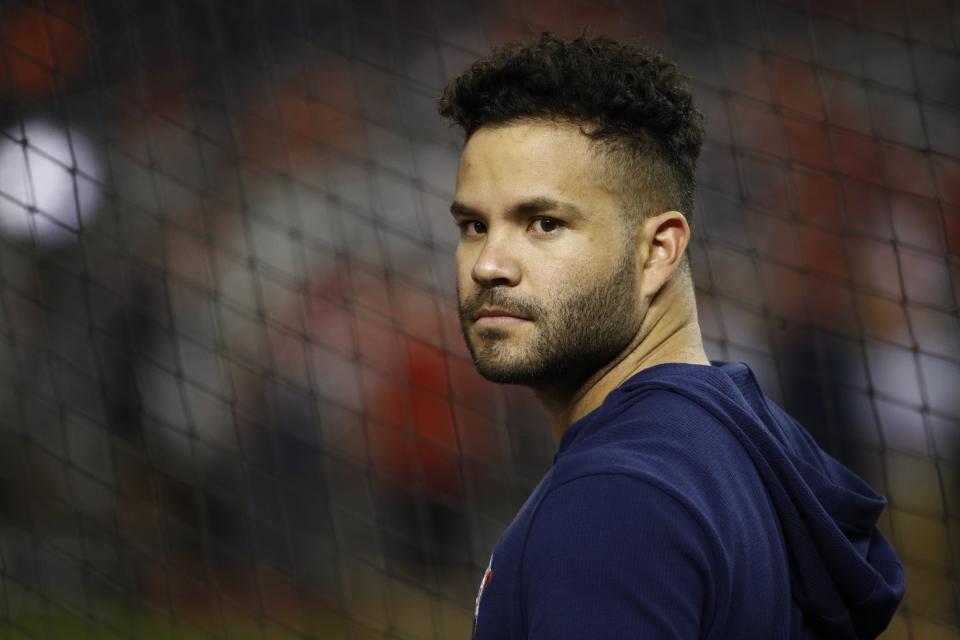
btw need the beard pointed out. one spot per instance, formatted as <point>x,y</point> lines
<point>580,329</point>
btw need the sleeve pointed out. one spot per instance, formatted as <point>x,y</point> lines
<point>613,556</point>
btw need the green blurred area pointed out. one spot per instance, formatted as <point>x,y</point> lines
<point>146,624</point>
<point>279,612</point>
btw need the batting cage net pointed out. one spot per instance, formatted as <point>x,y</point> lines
<point>234,397</point>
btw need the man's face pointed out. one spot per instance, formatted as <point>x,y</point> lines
<point>547,280</point>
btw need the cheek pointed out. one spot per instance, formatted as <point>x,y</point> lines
<point>559,273</point>
<point>464,265</point>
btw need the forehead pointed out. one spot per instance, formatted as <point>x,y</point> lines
<point>520,160</point>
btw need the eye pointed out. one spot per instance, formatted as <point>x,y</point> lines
<point>472,228</point>
<point>545,226</point>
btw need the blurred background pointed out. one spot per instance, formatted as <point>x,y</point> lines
<point>234,397</point>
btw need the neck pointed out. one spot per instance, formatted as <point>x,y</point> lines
<point>662,338</point>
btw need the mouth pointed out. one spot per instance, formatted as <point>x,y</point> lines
<point>494,317</point>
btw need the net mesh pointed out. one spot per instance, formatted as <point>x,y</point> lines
<point>234,398</point>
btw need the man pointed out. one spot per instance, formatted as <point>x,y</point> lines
<point>682,503</point>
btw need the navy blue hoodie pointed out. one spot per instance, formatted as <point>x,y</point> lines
<point>688,505</point>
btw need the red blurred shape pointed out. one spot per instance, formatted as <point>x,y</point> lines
<point>434,420</point>
<point>857,156</point>
<point>428,367</point>
<point>43,49</point>
<point>951,221</point>
<point>824,252</point>
<point>816,197</point>
<point>411,387</point>
<point>808,142</point>
<point>796,86</point>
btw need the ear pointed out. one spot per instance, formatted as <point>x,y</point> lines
<point>666,236</point>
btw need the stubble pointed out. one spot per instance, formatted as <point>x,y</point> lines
<point>583,327</point>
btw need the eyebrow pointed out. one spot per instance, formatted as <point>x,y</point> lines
<point>539,204</point>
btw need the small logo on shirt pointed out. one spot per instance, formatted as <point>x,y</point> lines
<point>487,577</point>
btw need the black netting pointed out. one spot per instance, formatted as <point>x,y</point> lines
<point>234,398</point>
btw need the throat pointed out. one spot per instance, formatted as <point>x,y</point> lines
<point>566,404</point>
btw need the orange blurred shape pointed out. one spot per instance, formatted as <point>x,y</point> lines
<point>39,46</point>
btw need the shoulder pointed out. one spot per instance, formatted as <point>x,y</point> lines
<point>612,505</point>
<point>665,440</point>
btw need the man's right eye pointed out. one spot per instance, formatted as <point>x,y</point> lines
<point>472,228</point>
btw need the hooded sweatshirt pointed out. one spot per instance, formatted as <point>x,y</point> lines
<point>688,505</point>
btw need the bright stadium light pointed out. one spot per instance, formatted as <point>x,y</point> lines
<point>47,184</point>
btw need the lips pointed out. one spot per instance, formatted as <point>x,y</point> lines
<point>495,318</point>
<point>491,312</point>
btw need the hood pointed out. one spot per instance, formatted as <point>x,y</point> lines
<point>846,577</point>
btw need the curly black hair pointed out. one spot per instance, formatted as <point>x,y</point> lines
<point>629,99</point>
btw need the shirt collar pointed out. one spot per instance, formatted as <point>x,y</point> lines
<point>736,370</point>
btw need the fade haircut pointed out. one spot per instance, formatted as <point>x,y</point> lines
<point>630,100</point>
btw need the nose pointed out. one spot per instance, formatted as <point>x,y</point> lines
<point>497,264</point>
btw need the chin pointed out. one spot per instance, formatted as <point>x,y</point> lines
<point>503,370</point>
<point>502,357</point>
<point>505,375</point>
